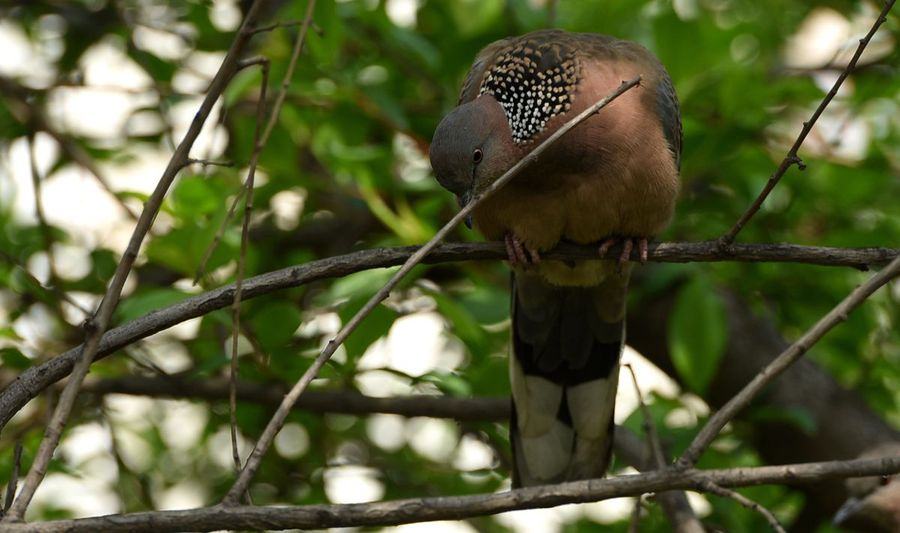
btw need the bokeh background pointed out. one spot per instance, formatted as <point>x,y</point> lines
<point>94,94</point>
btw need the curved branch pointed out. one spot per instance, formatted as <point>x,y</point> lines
<point>321,516</point>
<point>34,380</point>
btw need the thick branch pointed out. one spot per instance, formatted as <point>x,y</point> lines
<point>458,507</point>
<point>34,380</point>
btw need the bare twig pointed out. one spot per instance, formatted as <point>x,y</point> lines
<point>13,477</point>
<point>634,525</point>
<point>674,503</point>
<point>785,360</point>
<point>457,507</point>
<point>792,158</point>
<point>656,452</point>
<point>35,379</point>
<point>273,118</point>
<point>712,488</point>
<point>238,285</point>
<point>97,326</point>
<point>274,425</point>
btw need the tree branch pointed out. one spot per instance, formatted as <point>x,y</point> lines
<point>486,409</point>
<point>98,324</point>
<point>32,381</point>
<point>792,158</point>
<point>274,426</point>
<point>321,516</point>
<point>781,363</point>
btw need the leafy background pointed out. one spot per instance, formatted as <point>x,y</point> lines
<point>344,170</point>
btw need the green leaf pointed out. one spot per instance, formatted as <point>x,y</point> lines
<point>697,333</point>
<point>141,303</point>
<point>13,358</point>
<point>372,328</point>
<point>195,196</point>
<point>276,323</point>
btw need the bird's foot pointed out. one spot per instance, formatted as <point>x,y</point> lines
<point>627,245</point>
<point>518,253</point>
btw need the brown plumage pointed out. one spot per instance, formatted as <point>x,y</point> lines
<point>874,501</point>
<point>613,176</point>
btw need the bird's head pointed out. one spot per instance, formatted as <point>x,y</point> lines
<point>472,147</point>
<point>874,501</point>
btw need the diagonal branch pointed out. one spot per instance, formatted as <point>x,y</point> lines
<point>784,361</point>
<point>32,381</point>
<point>792,158</point>
<point>98,324</point>
<point>277,421</point>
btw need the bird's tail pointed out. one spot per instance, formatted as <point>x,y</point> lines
<point>564,370</point>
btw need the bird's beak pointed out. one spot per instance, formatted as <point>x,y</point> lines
<point>848,509</point>
<point>463,201</point>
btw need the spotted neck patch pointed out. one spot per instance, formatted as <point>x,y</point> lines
<point>533,84</point>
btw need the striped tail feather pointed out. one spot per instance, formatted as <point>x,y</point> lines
<point>567,342</point>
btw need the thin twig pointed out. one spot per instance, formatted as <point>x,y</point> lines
<point>37,378</point>
<point>97,326</point>
<point>273,118</point>
<point>320,516</point>
<point>274,425</point>
<point>238,285</point>
<point>13,477</point>
<point>792,158</point>
<point>655,448</point>
<point>712,488</point>
<point>634,525</point>
<point>784,360</point>
<point>675,504</point>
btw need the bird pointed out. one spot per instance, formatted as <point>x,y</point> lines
<point>612,179</point>
<point>873,502</point>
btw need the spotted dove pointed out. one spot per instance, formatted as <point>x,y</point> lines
<point>873,504</point>
<point>614,178</point>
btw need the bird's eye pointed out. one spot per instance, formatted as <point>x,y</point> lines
<point>477,155</point>
<point>885,480</point>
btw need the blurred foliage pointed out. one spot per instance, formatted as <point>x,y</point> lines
<point>347,150</point>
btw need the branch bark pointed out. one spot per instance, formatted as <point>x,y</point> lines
<point>493,409</point>
<point>457,507</point>
<point>31,382</point>
<point>787,358</point>
<point>792,158</point>
<point>840,425</point>
<point>99,323</point>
